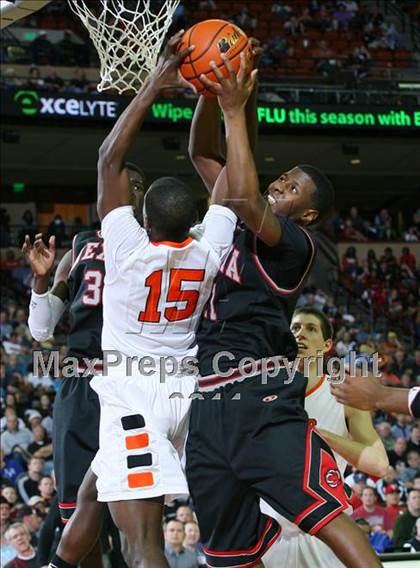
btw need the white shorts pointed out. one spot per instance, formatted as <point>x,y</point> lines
<point>142,434</point>
<point>302,551</point>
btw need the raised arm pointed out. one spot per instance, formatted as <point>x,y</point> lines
<point>205,145</point>
<point>205,148</point>
<point>113,181</point>
<point>243,194</point>
<point>46,308</point>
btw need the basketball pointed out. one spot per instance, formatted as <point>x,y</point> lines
<point>211,39</point>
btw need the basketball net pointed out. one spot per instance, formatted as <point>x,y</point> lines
<point>127,35</point>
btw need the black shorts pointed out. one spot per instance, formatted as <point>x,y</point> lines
<point>250,441</point>
<point>75,438</point>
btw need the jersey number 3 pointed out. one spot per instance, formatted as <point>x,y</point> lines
<point>93,294</point>
<point>177,276</point>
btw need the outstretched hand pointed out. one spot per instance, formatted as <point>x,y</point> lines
<point>41,258</point>
<point>234,90</point>
<point>167,74</point>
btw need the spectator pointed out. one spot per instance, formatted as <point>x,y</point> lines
<point>375,515</point>
<point>413,467</point>
<point>79,84</point>
<point>414,440</point>
<point>9,492</point>
<point>29,227</point>
<point>7,552</point>
<point>246,20</point>
<point>345,345</point>
<point>46,490</point>
<point>390,345</point>
<point>281,10</point>
<point>32,519</point>
<point>13,345</point>
<point>399,362</point>
<point>401,429</point>
<point>192,542</point>
<point>39,381</point>
<point>9,412</point>
<point>53,81</point>
<point>390,479</point>
<point>27,483</point>
<point>4,228</point>
<point>10,468</point>
<point>413,545</point>
<point>19,538</point>
<point>5,509</point>
<point>404,524</point>
<point>184,514</point>
<point>66,50</point>
<point>177,555</point>
<point>358,481</point>
<point>414,365</point>
<point>380,220</point>
<point>41,439</point>
<point>341,17</point>
<point>43,52</point>
<point>399,451</point>
<point>350,262</point>
<point>380,541</point>
<point>14,436</point>
<point>5,326</point>
<point>392,499</point>
<point>384,431</point>
<point>292,26</point>
<point>57,228</point>
<point>407,258</point>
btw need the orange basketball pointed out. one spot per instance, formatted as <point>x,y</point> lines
<point>211,39</point>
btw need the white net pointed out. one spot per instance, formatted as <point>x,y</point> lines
<point>128,35</point>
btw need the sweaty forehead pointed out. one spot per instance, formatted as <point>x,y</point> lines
<point>306,319</point>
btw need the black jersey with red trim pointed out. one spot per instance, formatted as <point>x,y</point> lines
<point>253,298</point>
<point>85,283</point>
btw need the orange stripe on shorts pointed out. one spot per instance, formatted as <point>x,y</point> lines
<point>136,442</point>
<point>140,479</point>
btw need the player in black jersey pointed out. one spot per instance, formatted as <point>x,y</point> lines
<point>252,454</point>
<point>78,284</point>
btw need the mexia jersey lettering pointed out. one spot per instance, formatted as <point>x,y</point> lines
<point>253,298</point>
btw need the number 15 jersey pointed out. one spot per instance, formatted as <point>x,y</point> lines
<point>155,292</point>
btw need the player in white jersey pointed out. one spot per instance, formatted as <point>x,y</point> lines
<point>157,280</point>
<point>349,432</point>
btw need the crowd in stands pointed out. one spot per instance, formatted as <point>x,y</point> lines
<point>380,227</point>
<point>386,283</point>
<point>309,37</point>
<point>388,508</point>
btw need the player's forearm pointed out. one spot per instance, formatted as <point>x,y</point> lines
<point>393,400</point>
<point>113,184</point>
<point>117,144</point>
<point>369,459</point>
<point>205,148</point>
<point>240,166</point>
<point>40,283</point>
<point>45,310</point>
<point>251,111</point>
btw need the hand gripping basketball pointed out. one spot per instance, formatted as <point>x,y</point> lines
<point>234,90</point>
<point>167,74</point>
